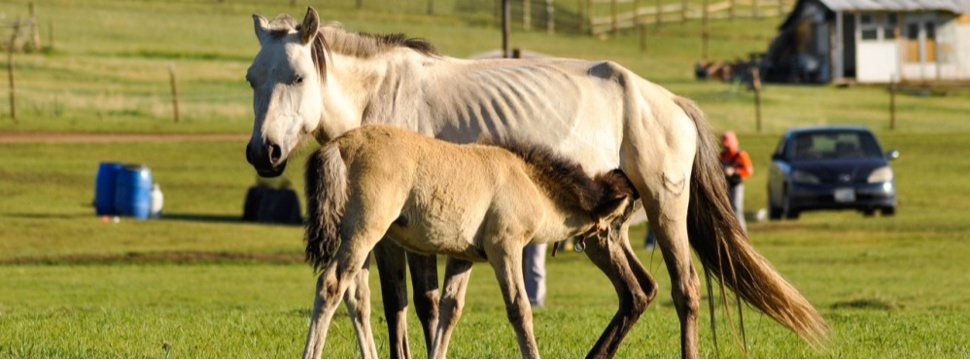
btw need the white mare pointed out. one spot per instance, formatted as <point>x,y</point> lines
<point>319,82</point>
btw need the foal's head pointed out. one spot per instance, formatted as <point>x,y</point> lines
<point>286,77</point>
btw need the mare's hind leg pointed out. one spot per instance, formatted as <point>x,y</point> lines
<point>668,211</point>
<point>507,264</point>
<point>424,280</point>
<point>452,302</point>
<point>635,288</point>
<point>391,268</point>
<point>357,300</point>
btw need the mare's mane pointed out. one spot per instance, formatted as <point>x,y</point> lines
<point>364,45</point>
<point>565,180</point>
<point>359,44</point>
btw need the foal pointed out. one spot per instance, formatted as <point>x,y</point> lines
<point>473,203</point>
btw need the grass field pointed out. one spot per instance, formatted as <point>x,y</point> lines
<point>198,283</point>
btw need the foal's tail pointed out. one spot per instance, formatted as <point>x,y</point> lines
<point>326,197</point>
<point>725,251</point>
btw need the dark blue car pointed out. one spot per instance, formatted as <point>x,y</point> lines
<point>830,168</point>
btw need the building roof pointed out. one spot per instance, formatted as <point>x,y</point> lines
<point>954,6</point>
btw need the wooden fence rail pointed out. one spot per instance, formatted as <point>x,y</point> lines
<point>613,20</point>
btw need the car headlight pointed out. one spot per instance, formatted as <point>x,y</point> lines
<point>883,174</point>
<point>804,177</point>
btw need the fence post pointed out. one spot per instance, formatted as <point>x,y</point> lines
<point>34,34</point>
<point>526,15</point>
<point>614,13</point>
<point>590,13</point>
<point>641,32</point>
<point>705,31</point>
<point>13,88</point>
<point>175,91</point>
<point>430,7</point>
<point>581,9</point>
<point>660,14</point>
<point>50,35</point>
<point>550,17</point>
<point>893,87</point>
<point>756,84</point>
<point>732,6</point>
<point>506,27</point>
<point>683,11</point>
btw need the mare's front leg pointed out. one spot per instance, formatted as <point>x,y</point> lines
<point>357,300</point>
<point>391,267</point>
<point>634,286</point>
<point>424,280</point>
<point>506,260</point>
<point>452,302</point>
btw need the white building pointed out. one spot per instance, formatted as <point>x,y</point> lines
<point>872,41</point>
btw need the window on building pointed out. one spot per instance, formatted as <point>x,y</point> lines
<point>889,31</point>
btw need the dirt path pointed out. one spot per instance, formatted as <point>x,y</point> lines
<point>64,137</point>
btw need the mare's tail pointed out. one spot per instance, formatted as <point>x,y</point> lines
<point>326,197</point>
<point>725,251</point>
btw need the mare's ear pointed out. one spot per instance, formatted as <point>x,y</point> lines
<point>311,23</point>
<point>262,27</point>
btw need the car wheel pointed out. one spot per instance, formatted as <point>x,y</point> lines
<point>888,211</point>
<point>786,208</point>
<point>868,212</point>
<point>774,212</point>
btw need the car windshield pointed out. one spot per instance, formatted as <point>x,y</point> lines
<point>835,145</point>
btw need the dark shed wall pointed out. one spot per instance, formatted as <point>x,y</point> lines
<point>802,51</point>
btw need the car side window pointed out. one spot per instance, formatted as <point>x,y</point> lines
<point>780,153</point>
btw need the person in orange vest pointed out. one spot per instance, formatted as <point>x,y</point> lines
<point>737,167</point>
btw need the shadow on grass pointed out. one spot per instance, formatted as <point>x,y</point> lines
<point>161,257</point>
<point>233,219</point>
<point>201,217</point>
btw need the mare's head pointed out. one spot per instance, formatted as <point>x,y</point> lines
<point>287,77</point>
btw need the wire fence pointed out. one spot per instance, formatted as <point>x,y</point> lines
<point>167,100</point>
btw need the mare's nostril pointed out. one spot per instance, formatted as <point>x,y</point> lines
<point>274,152</point>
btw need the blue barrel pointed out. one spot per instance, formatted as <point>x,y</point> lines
<point>133,195</point>
<point>104,188</point>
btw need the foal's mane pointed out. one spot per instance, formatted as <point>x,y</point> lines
<point>565,180</point>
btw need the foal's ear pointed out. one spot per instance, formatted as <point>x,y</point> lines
<point>262,27</point>
<point>622,184</point>
<point>311,23</point>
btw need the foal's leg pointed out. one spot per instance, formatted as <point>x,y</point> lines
<point>424,280</point>
<point>331,285</point>
<point>391,268</point>
<point>634,286</point>
<point>507,264</point>
<point>357,299</point>
<point>452,302</point>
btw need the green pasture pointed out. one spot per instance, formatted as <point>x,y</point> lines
<point>198,283</point>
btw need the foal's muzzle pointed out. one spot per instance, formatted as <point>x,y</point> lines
<point>268,159</point>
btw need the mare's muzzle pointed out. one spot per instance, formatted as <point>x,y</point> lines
<point>268,159</point>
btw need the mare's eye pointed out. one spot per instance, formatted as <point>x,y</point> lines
<point>298,80</point>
